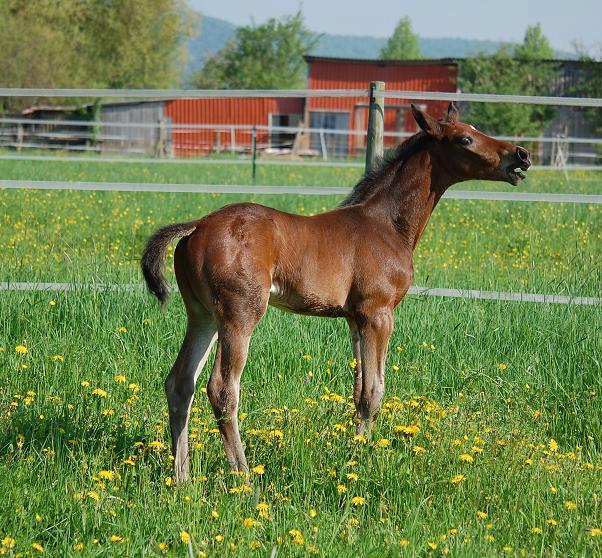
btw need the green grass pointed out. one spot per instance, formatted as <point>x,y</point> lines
<point>502,383</point>
<point>495,381</point>
<point>98,236</point>
<point>581,182</point>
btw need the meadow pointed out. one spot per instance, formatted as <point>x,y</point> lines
<point>489,439</point>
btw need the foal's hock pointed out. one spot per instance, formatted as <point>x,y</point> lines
<point>354,262</point>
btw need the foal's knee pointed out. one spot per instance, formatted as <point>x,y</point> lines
<point>179,394</point>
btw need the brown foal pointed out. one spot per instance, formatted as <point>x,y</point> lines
<point>354,262</point>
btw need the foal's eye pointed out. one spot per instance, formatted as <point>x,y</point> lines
<point>465,140</point>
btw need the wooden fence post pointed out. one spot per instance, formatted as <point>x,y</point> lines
<point>375,146</point>
<point>254,155</point>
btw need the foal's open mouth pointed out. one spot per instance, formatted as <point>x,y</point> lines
<point>516,172</point>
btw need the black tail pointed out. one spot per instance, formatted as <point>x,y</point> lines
<point>153,258</point>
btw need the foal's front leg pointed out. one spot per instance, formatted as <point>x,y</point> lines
<point>374,331</point>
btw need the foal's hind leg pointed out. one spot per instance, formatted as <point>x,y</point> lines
<point>179,386</point>
<point>223,389</point>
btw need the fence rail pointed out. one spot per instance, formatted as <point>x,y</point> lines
<point>279,190</point>
<point>158,94</point>
<point>414,290</point>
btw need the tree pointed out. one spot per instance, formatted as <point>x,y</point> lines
<point>535,45</point>
<point>518,71</point>
<point>404,44</point>
<point>267,56</point>
<point>85,43</point>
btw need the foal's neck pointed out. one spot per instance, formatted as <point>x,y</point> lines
<point>412,196</point>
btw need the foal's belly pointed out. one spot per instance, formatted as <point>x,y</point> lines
<point>293,300</point>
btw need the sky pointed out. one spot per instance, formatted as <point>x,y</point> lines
<point>500,20</point>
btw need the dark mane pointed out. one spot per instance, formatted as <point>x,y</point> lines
<point>381,177</point>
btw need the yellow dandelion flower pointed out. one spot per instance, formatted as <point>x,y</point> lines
<point>552,522</point>
<point>121,329</point>
<point>352,476</point>
<point>21,349</point>
<point>409,430</point>
<point>489,538</point>
<point>8,542</point>
<point>553,445</point>
<point>466,458</point>
<point>58,358</point>
<point>37,546</point>
<point>313,512</point>
<point>507,548</point>
<point>156,445</point>
<point>432,545</point>
<point>264,509</point>
<point>570,505</point>
<point>184,537</point>
<point>106,475</point>
<point>108,412</point>
<point>120,378</point>
<point>457,479</point>
<point>85,383</point>
<point>116,538</point>
<point>78,546</point>
<point>553,489</point>
<point>404,542</point>
<point>595,532</point>
<point>94,495</point>
<point>536,531</point>
<point>358,500</point>
<point>502,366</point>
<point>383,443</point>
<point>100,392</point>
<point>418,450</point>
<point>214,514</point>
<point>481,514</point>
<point>219,538</point>
<point>258,469</point>
<point>168,481</point>
<point>360,439</point>
<point>297,536</point>
<point>341,488</point>
<point>307,357</point>
<point>249,522</point>
<point>163,547</point>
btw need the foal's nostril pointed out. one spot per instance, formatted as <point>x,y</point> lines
<point>523,155</point>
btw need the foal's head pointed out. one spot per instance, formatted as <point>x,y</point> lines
<point>466,153</point>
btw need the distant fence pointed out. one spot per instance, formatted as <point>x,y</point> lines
<point>151,124</point>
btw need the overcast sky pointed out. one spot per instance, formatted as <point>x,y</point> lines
<point>500,20</point>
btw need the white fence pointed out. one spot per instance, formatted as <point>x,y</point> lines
<point>158,139</point>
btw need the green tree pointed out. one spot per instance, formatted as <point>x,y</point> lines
<point>535,45</point>
<point>85,43</point>
<point>518,71</point>
<point>404,44</point>
<point>267,56</point>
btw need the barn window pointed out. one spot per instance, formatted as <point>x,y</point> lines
<point>335,144</point>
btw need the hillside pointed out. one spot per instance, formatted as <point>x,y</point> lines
<point>213,34</point>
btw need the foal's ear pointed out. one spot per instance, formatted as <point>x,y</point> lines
<point>453,114</point>
<point>427,123</point>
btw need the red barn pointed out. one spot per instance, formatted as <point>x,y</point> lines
<point>217,116</point>
<point>351,113</point>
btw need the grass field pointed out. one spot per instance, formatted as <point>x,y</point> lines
<point>489,442</point>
